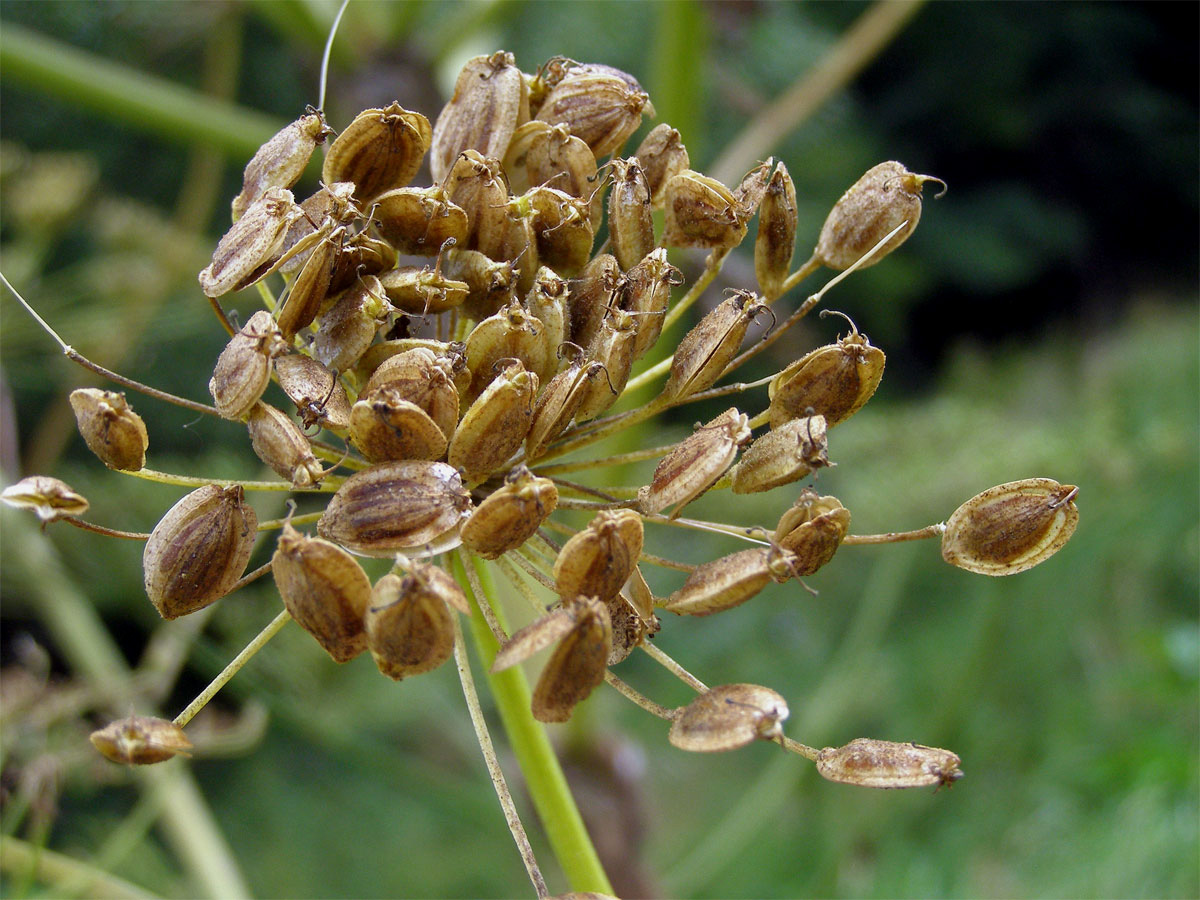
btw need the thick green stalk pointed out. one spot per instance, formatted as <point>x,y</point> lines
<point>530,744</point>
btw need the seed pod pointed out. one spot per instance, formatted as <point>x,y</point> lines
<point>629,628</point>
<point>490,101</point>
<point>361,255</point>
<point>495,425</point>
<point>198,550</point>
<point>385,427</point>
<point>558,402</point>
<point>490,283</point>
<point>701,212</point>
<point>705,351</point>
<point>281,161</point>
<point>48,497</point>
<point>141,740</point>
<point>451,357</point>
<point>279,443</point>
<point>695,464</point>
<point>577,665</point>
<point>252,246</point>
<point>547,303</point>
<point>516,242</point>
<point>750,191</point>
<point>590,296</point>
<point>476,185</point>
<point>562,225</point>
<point>558,159</point>
<point>887,195</point>
<point>782,456</point>
<point>613,349</point>
<point>346,329</point>
<point>596,561</point>
<point>513,333</point>
<point>395,506</point>
<point>730,581</point>
<point>244,367</point>
<point>510,515</point>
<point>319,397</point>
<point>325,590</point>
<point>111,429</point>
<point>630,225</point>
<point>1011,527</point>
<point>645,290</point>
<point>727,717</point>
<point>813,529</point>
<point>308,292</point>
<point>663,156</point>
<point>379,151</point>
<point>601,105</point>
<point>884,764</point>
<point>409,628</point>
<point>776,241</point>
<point>418,221</point>
<point>422,377</point>
<point>421,291</point>
<point>834,381</point>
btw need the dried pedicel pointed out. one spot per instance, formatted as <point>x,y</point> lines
<point>885,764</point>
<point>141,740</point>
<point>409,627</point>
<point>244,367</point>
<point>696,463</point>
<point>1011,527</point>
<point>48,497</point>
<point>198,550</point>
<point>110,428</point>
<point>727,717</point>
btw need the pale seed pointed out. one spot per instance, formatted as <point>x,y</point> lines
<point>727,717</point>
<point>776,240</point>
<point>663,156</point>
<point>141,740</point>
<point>280,443</point>
<point>601,105</point>
<point>384,427</point>
<point>597,561</point>
<point>281,161</point>
<point>490,101</point>
<point>730,581</point>
<point>701,212</point>
<point>379,151</point>
<point>110,428</point>
<point>813,529</point>
<point>696,463</point>
<point>577,665</point>
<point>787,454</point>
<point>630,225</point>
<point>510,515</point>
<point>495,425</point>
<point>884,764</point>
<point>409,628</point>
<point>705,351</point>
<point>48,497</point>
<point>243,369</point>
<point>252,245</point>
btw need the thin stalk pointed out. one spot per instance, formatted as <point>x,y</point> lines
<point>529,566</point>
<point>513,577</point>
<point>499,632</point>
<point>107,532</point>
<point>329,486</point>
<point>896,537</point>
<point>614,460</point>
<point>640,699</point>
<point>674,668</point>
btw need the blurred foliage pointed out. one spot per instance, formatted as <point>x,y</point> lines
<point>1042,321</point>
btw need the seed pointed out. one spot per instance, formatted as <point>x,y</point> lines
<point>730,581</point>
<point>590,296</point>
<point>198,550</point>
<point>48,497</point>
<point>705,351</point>
<point>379,151</point>
<point>630,226</point>
<point>252,245</point>
<point>1011,527</point>
<point>281,161</point>
<point>534,637</point>
<point>884,764</point>
<point>629,628</point>
<point>331,205</point>
<point>279,443</point>
<point>546,302</point>
<point>421,291</point>
<point>319,397</point>
<point>663,156</point>
<point>776,241</point>
<point>409,627</point>
<point>347,328</point>
<point>475,184</point>
<point>886,196</point>
<point>418,221</point>
<point>645,291</point>
<point>513,333</point>
<point>490,101</point>
<point>748,195</point>
<point>613,349</point>
<point>601,105</point>
<point>510,515</point>
<point>325,590</point>
<point>558,403</point>
<point>395,506</point>
<point>110,428</point>
<point>696,463</point>
<point>384,427</point>
<point>244,367</point>
<point>424,378</point>
<point>782,456</point>
<point>308,292</point>
<point>813,529</point>
<point>595,562</point>
<point>577,665</point>
<point>495,425</point>
<point>563,226</point>
<point>490,283</point>
<point>727,717</point>
<point>701,212</point>
<point>557,159</point>
<point>141,740</point>
<point>361,255</point>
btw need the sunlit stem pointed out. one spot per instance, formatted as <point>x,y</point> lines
<point>232,669</point>
<point>723,391</point>
<point>596,505</point>
<point>640,699</point>
<point>493,765</point>
<point>273,524</point>
<point>896,537</point>
<point>614,460</point>
<point>466,563</point>
<point>760,420</point>
<point>107,532</point>
<point>328,486</point>
<point>674,668</point>
<point>796,747</point>
<point>586,490</point>
<point>576,439</point>
<point>750,534</point>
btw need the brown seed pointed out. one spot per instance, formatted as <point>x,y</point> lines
<point>490,101</point>
<point>362,255</point>
<point>490,283</point>
<point>244,367</point>
<point>111,429</point>
<point>451,357</point>
<point>630,225</point>
<point>776,241</point>
<point>613,349</point>
<point>563,227</point>
<point>547,303</point>
<point>422,377</point>
<point>727,717</point>
<point>198,550</point>
<point>395,506</point>
<point>141,740</point>
<point>813,529</point>
<point>1011,527</point>
<point>319,397</point>
<point>701,212</point>
<point>597,561</point>
<point>578,663</point>
<point>418,221</point>
<point>558,159</point>
<point>601,105</point>
<point>884,764</point>
<point>281,161</point>
<point>730,581</point>
<point>475,184</point>
<point>252,246</point>
<point>590,297</point>
<point>834,381</point>
<point>385,427</point>
<point>753,187</point>
<point>495,425</point>
<point>48,497</point>
<point>307,294</point>
<point>645,291</point>
<point>516,154</point>
<point>510,515</point>
<point>663,156</point>
<point>331,205</point>
<point>280,443</point>
<point>513,333</point>
<point>325,590</point>
<point>379,151</point>
<point>629,628</point>
<point>782,456</point>
<point>705,351</point>
<point>558,403</point>
<point>347,328</point>
<point>696,463</point>
<point>421,291</point>
<point>534,637</point>
<point>409,627</point>
<point>886,196</point>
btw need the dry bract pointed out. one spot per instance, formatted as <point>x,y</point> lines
<point>141,740</point>
<point>112,430</point>
<point>884,764</point>
<point>696,463</point>
<point>727,717</point>
<point>244,367</point>
<point>48,497</point>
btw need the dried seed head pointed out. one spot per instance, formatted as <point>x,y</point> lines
<point>705,351</point>
<point>319,397</point>
<point>198,550</point>
<point>510,515</point>
<point>782,456</point>
<point>346,329</point>
<point>696,463</point>
<point>409,627</point>
<point>244,367</point>
<point>663,156</point>
<point>1011,527</point>
<point>776,239</point>
<point>281,161</point>
<point>882,199</point>
<point>730,581</point>
<point>418,221</point>
<point>48,497</point>
<point>491,99</point>
<point>645,291</point>
<point>630,225</point>
<point>252,245</point>
<point>280,443</point>
<point>385,427</point>
<point>813,529</point>
<point>701,212</point>
<point>395,506</point>
<point>578,663</point>
<point>325,590</point>
<point>727,717</point>
<point>884,764</point>
<point>495,425</point>
<point>379,151</point>
<point>834,381</point>
<point>141,740</point>
<point>596,561</point>
<point>112,430</point>
<point>601,105</point>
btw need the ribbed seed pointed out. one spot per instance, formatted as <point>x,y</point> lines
<point>140,741</point>
<point>347,328</point>
<point>701,212</point>
<point>705,351</point>
<point>243,369</point>
<point>727,717</point>
<point>281,161</point>
<point>696,463</point>
<point>510,515</point>
<point>885,764</point>
<point>252,245</point>
<point>776,241</point>
<point>319,397</point>
<point>418,221</point>
<point>590,297</point>
<point>597,561</point>
<point>730,581</point>
<point>110,428</point>
<point>663,156</point>
<point>613,349</point>
<point>645,291</point>
<point>384,427</point>
<point>495,425</point>
<point>813,529</point>
<point>409,628</point>
<point>490,101</point>
<point>601,105</point>
<point>578,663</point>
<point>280,443</point>
<point>630,225</point>
<point>379,151</point>
<point>786,454</point>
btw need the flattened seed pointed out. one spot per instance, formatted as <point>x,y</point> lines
<point>198,550</point>
<point>630,225</point>
<point>418,221</point>
<point>813,529</point>
<point>140,741</point>
<point>885,764</point>
<point>496,424</point>
<point>834,381</point>
<point>243,369</point>
<point>645,290</point>
<point>281,161</point>
<point>709,347</point>
<point>727,717</point>
<point>730,581</point>
<point>409,628</point>
<point>490,101</point>
<point>558,403</point>
<point>629,628</point>
<point>513,333</point>
<point>319,397</point>
<point>48,497</point>
<point>379,151</point>
<point>252,244</point>
<point>776,241</point>
<point>347,328</point>
<point>663,156</point>
<point>421,376</point>
<point>701,212</point>
<point>110,428</point>
<point>537,635</point>
<point>510,515</point>
<point>782,456</point>
<point>696,463</point>
<point>601,105</point>
<point>577,665</point>
<point>280,443</point>
<point>386,427</point>
<point>595,562</point>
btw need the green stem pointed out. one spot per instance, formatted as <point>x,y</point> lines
<point>530,744</point>
<point>56,870</point>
